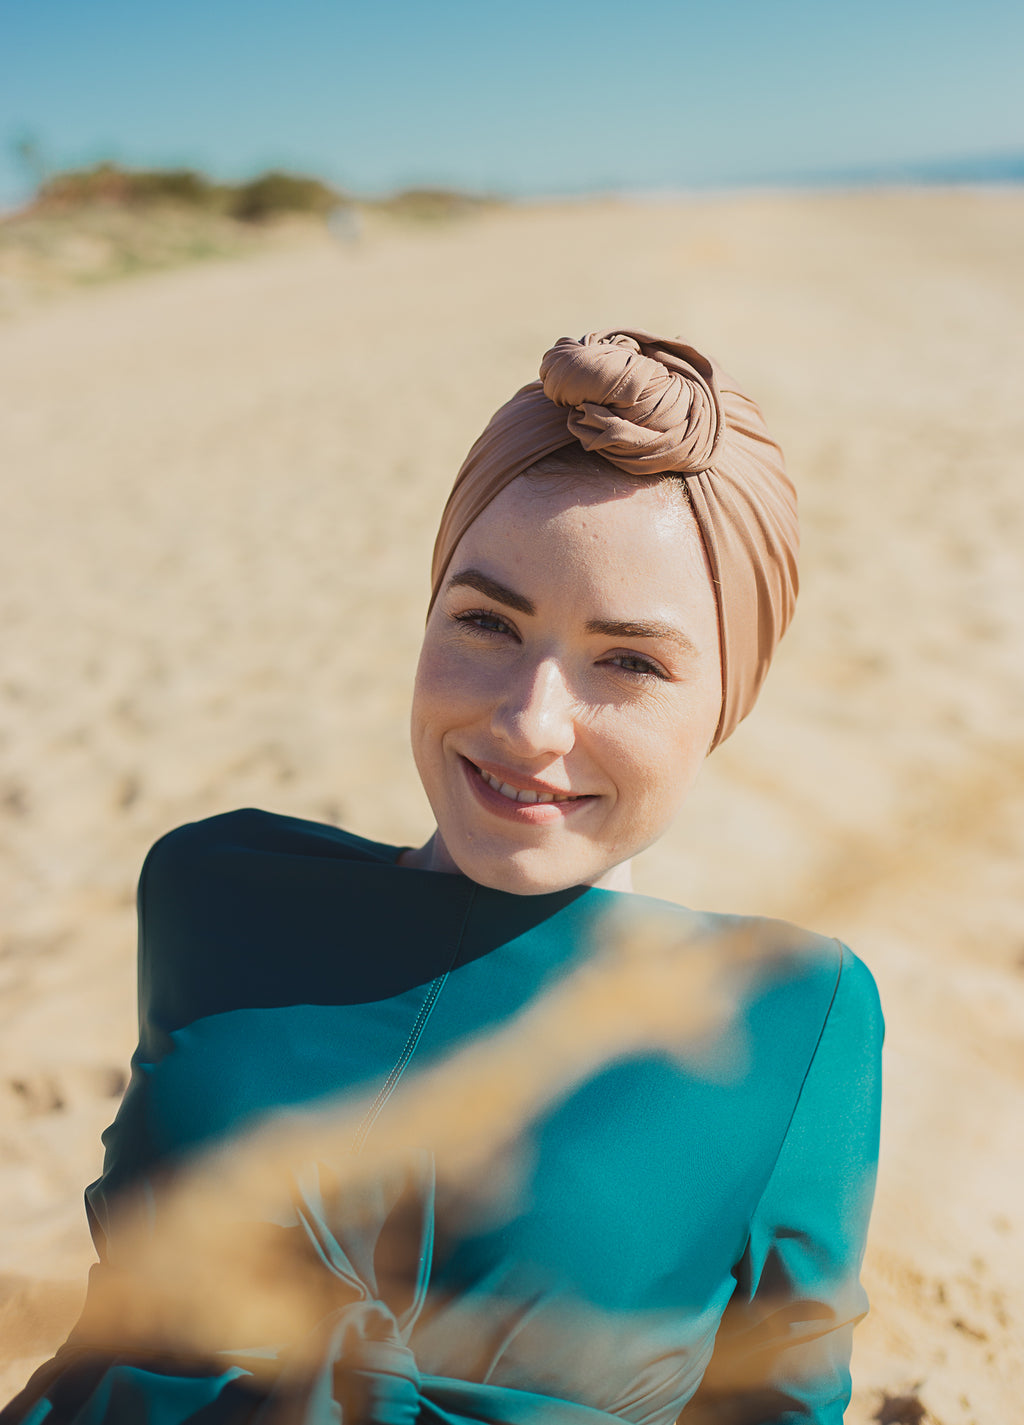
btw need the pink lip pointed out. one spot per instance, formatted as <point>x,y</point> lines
<point>526,813</point>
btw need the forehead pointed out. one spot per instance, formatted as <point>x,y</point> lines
<point>600,525</point>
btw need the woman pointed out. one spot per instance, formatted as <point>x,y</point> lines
<point>659,1208</point>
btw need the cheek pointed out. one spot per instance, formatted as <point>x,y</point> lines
<point>428,698</point>
<point>447,688</point>
<point>656,763</point>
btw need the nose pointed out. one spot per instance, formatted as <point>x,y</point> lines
<point>535,715</point>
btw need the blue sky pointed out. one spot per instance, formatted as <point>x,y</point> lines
<point>541,96</point>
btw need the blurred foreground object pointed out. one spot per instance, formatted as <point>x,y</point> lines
<point>575,1128</point>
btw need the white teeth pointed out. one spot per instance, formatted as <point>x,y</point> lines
<point>529,796</point>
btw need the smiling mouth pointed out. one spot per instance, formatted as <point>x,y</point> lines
<point>527,796</point>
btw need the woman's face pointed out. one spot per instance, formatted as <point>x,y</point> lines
<point>569,684</point>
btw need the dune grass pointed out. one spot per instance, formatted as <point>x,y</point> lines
<point>106,222</point>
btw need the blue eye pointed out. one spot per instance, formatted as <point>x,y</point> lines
<point>483,621</point>
<point>636,664</point>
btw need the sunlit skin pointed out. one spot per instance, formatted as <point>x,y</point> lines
<point>573,651</point>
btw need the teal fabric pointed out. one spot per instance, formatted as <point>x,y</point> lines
<point>659,1219</point>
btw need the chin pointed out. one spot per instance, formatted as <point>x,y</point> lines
<point>523,874</point>
<point>520,881</point>
<point>536,872</point>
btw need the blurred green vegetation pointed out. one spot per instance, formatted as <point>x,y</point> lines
<point>271,195</point>
<point>430,205</point>
<point>268,196</point>
<point>95,224</point>
<point>274,193</point>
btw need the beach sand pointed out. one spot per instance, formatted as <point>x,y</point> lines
<point>220,490</point>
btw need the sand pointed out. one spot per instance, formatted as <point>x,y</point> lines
<point>215,542</point>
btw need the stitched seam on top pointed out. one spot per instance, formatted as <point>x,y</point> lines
<point>388,1087</point>
<point>834,940</point>
<point>415,1034</point>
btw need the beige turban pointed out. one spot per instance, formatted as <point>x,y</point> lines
<point>653,406</point>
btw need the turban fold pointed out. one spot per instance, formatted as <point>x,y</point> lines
<point>653,406</point>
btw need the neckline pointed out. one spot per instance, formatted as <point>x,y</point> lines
<point>385,855</point>
<point>459,879</point>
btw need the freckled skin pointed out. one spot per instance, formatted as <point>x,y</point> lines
<point>622,721</point>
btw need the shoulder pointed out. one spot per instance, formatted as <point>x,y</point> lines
<point>251,828</point>
<point>812,1035</point>
<point>255,834</point>
<point>800,961</point>
<point>857,993</point>
<point>774,955</point>
<point>816,1003</point>
<point>819,981</point>
<point>250,908</point>
<point>800,998</point>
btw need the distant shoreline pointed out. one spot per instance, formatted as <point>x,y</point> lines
<point>986,171</point>
<point>48,254</point>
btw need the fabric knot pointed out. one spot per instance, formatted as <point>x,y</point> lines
<point>647,405</point>
<point>354,1368</point>
<point>653,405</point>
<point>376,1379</point>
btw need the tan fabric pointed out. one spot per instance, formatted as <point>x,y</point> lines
<point>652,405</point>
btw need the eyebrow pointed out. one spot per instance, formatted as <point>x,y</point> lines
<point>474,579</point>
<point>611,628</point>
<point>640,628</point>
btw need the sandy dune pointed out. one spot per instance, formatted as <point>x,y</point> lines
<point>220,488</point>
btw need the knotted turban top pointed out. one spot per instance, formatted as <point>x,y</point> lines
<point>654,406</point>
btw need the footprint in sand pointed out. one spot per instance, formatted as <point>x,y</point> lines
<point>39,1094</point>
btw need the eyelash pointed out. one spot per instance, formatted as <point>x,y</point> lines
<point>472,620</point>
<point>647,669</point>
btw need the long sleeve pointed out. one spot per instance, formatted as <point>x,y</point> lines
<point>282,963</point>
<point>783,1349</point>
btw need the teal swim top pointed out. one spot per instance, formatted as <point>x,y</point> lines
<point>663,1241</point>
